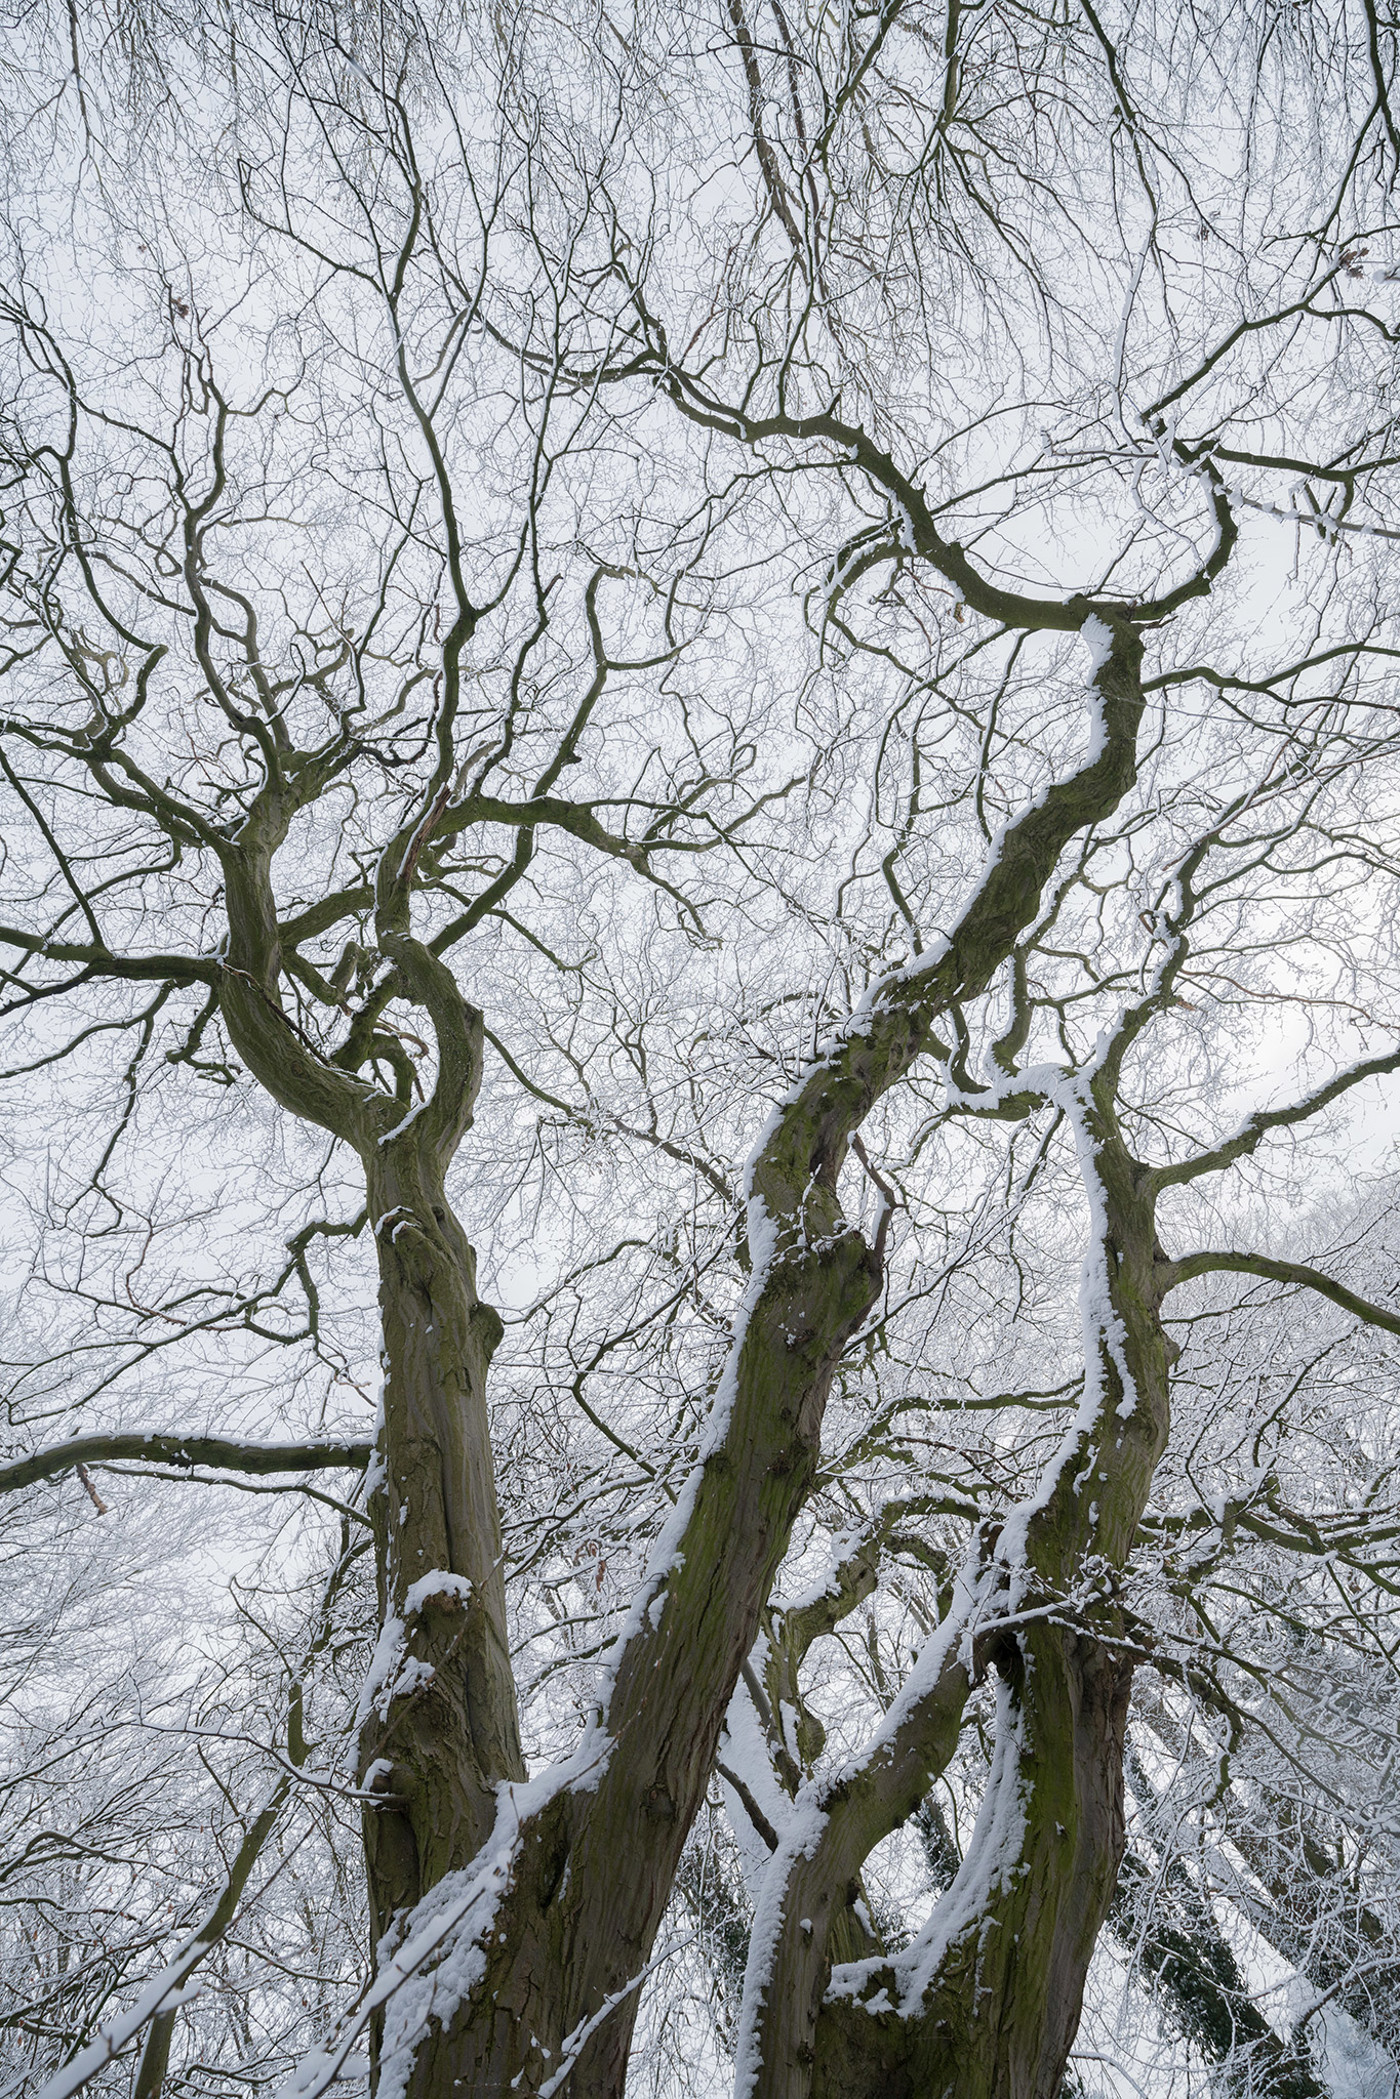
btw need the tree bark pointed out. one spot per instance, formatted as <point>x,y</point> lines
<point>440,1725</point>
<point>439,1722</point>
<point>1000,2016</point>
<point>229,1453</point>
<point>544,1996</point>
<point>986,2002</point>
<point>550,1997</point>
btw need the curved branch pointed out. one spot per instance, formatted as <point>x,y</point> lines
<point>838,1823</point>
<point>916,515</point>
<point>1296,1272</point>
<point>812,1283</point>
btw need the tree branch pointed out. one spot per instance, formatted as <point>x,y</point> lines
<point>226,1451</point>
<point>1264,1120</point>
<point>1296,1272</point>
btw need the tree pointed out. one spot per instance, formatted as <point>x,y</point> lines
<point>587,597</point>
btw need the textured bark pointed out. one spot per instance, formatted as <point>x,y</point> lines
<point>593,1867</point>
<point>1000,2018</point>
<point>554,1996</point>
<point>596,1867</point>
<point>442,1726</point>
<point>231,1454</point>
<point>987,2002</point>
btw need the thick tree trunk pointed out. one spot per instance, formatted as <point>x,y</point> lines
<point>572,1878</point>
<point>594,1866</point>
<point>440,1726</point>
<point>1002,2007</point>
<point>540,1992</point>
<point>1003,1998</point>
<point>986,2002</point>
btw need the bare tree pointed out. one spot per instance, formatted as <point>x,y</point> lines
<point>584,599</point>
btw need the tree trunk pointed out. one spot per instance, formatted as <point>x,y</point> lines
<point>1006,1985</point>
<point>593,1867</point>
<point>546,1997</point>
<point>571,1882</point>
<point>986,2001</point>
<point>439,1719</point>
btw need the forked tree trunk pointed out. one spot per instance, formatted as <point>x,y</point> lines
<point>1003,2003</point>
<point>594,1865</point>
<point>538,1992</point>
<point>986,2002</point>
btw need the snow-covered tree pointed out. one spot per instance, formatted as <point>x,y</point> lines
<point>700,769</point>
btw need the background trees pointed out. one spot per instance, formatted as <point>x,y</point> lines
<point>590,599</point>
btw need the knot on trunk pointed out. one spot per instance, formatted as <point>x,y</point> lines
<point>488,1327</point>
<point>438,1590</point>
